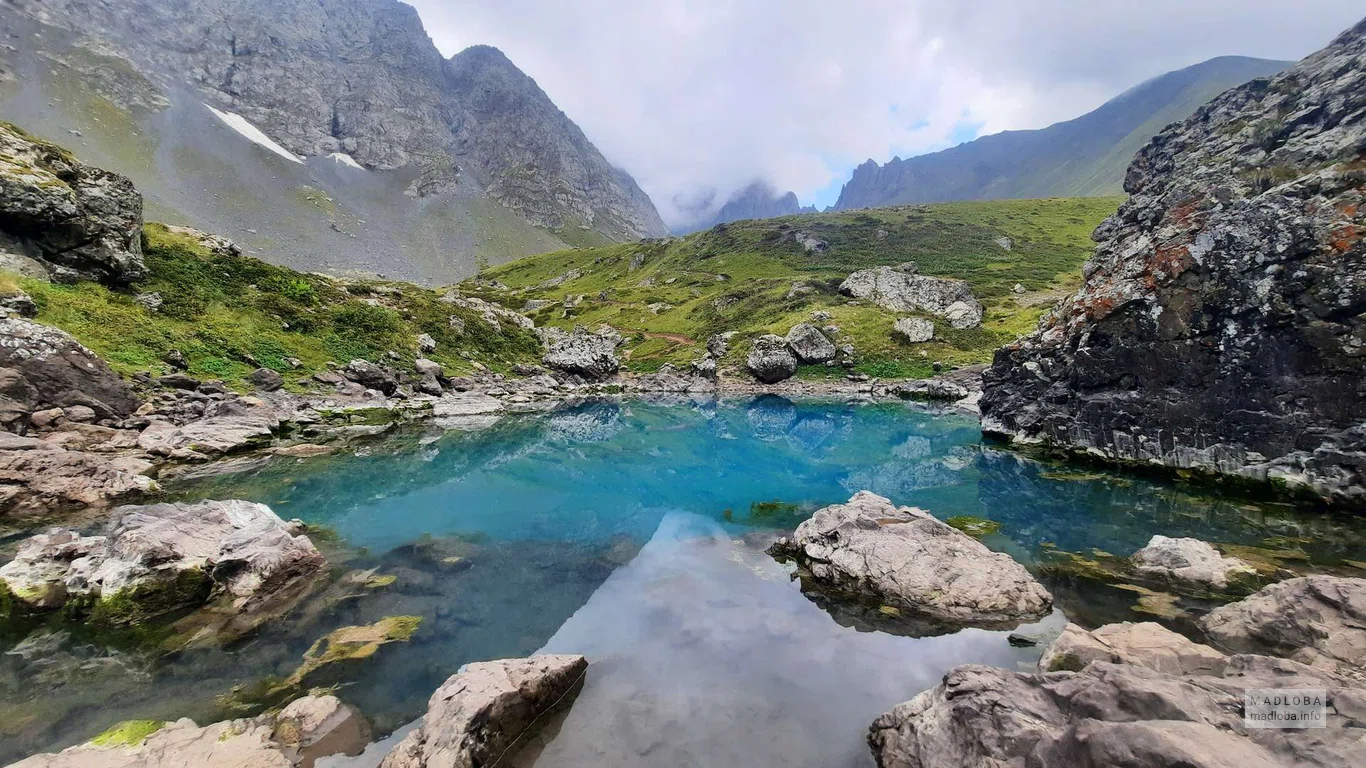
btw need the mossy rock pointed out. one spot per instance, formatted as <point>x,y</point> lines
<point>129,733</point>
<point>150,600</point>
<point>976,527</point>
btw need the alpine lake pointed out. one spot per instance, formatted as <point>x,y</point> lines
<point>634,532</point>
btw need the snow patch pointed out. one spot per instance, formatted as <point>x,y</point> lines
<point>346,160</point>
<point>253,134</point>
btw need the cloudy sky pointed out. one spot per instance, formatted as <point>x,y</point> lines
<point>698,95</point>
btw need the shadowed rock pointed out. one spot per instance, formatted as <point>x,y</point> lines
<point>771,360</point>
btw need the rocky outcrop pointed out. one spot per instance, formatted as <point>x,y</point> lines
<point>1316,620</point>
<point>583,353</point>
<point>362,78</point>
<point>63,219</point>
<point>371,376</point>
<point>207,438</point>
<point>908,559</point>
<point>304,731</point>
<point>1191,561</point>
<point>770,359</point>
<point>484,709</point>
<point>37,479</point>
<point>42,367</point>
<point>165,557</point>
<point>1111,715</point>
<point>899,289</point>
<point>1146,644</point>
<point>809,344</point>
<point>1218,326</point>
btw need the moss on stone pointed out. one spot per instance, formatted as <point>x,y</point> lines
<point>1065,662</point>
<point>354,644</point>
<point>975,527</point>
<point>152,599</point>
<point>129,733</point>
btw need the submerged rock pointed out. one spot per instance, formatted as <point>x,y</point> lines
<point>906,558</point>
<point>1110,715</point>
<point>770,359</point>
<point>484,709</point>
<point>1316,620</point>
<point>1218,326</point>
<point>165,557</point>
<point>67,219</point>
<point>904,291</point>
<point>1145,644</point>
<point>1191,561</point>
<point>592,356</point>
<point>309,728</point>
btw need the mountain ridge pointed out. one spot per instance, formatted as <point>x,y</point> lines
<point>1084,156</point>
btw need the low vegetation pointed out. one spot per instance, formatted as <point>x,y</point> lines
<point>758,277</point>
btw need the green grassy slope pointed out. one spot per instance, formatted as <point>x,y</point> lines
<point>740,277</point>
<point>222,312</point>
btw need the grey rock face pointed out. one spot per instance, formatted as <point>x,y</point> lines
<point>1146,644</point>
<point>809,344</point>
<point>166,556</point>
<point>1111,715</point>
<point>584,353</point>
<point>903,291</point>
<point>1232,275</point>
<point>206,438</point>
<point>371,376</point>
<point>915,329</point>
<point>41,481</point>
<point>1189,560</point>
<point>907,558</point>
<point>362,77</point>
<point>42,367</point>
<point>76,221</point>
<point>770,359</point>
<point>1316,620</point>
<point>479,712</point>
<point>266,380</point>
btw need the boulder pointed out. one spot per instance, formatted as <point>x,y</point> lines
<point>77,222</point>
<point>44,367</point>
<point>1114,716</point>
<point>718,344</point>
<point>214,436</point>
<point>307,729</point>
<point>809,345</point>
<point>908,559</point>
<point>1189,561</point>
<point>266,380</point>
<point>1203,337</point>
<point>592,356</point>
<point>371,376</point>
<point>45,481</point>
<point>916,330</point>
<point>17,304</point>
<point>1146,644</point>
<point>485,708</point>
<point>493,314</point>
<point>902,291</point>
<point>705,367</point>
<point>425,343</point>
<point>165,557</point>
<point>770,359</point>
<point>1317,620</point>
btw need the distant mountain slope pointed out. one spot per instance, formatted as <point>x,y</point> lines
<point>1085,156</point>
<point>759,200</point>
<point>413,165</point>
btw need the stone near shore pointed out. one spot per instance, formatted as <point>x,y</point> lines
<point>64,219</point>
<point>908,559</point>
<point>38,480</point>
<point>214,436</point>
<point>1317,620</point>
<point>42,367</point>
<point>481,711</point>
<point>592,356</point>
<point>1218,326</point>
<point>770,359</point>
<point>1146,644</point>
<point>1114,716</point>
<point>1189,561</point>
<point>308,729</point>
<point>810,346</point>
<point>903,291</point>
<point>165,557</point>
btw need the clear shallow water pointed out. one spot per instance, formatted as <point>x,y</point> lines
<point>625,532</point>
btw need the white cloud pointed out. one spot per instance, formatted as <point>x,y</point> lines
<point>692,95</point>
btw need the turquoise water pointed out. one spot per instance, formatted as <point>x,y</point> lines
<point>630,532</point>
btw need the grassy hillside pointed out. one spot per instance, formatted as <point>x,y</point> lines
<point>741,277</point>
<point>223,312</point>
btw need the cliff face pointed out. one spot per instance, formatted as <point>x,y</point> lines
<point>361,77</point>
<point>1219,325</point>
<point>1081,157</point>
